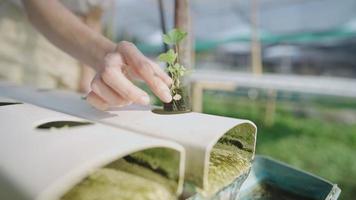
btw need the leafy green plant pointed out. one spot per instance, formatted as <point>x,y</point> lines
<point>175,69</point>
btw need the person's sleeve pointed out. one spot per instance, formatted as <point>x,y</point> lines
<point>82,7</point>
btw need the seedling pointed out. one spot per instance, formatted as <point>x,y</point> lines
<point>177,71</point>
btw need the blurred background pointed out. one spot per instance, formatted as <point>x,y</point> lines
<point>287,65</point>
<point>302,93</point>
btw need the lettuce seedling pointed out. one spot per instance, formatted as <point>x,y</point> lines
<point>179,92</point>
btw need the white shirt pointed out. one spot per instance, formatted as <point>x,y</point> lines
<point>80,7</point>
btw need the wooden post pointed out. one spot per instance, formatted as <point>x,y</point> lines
<point>197,97</point>
<point>182,20</point>
<point>256,61</point>
<point>198,88</point>
<point>270,107</point>
<point>162,18</point>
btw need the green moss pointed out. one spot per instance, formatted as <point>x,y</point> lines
<point>111,184</point>
<point>136,178</point>
<point>167,160</point>
<point>230,158</point>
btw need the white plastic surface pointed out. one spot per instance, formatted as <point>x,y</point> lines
<point>44,164</point>
<point>195,131</point>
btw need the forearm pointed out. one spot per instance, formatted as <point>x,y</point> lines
<point>67,32</point>
<point>111,85</point>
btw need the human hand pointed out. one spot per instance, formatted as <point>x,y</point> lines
<point>112,84</point>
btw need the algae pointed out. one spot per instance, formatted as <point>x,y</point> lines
<point>225,166</point>
<point>230,159</point>
<point>147,175</point>
<point>152,174</point>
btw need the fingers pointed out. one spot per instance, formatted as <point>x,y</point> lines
<point>159,88</point>
<point>156,84</point>
<point>107,94</point>
<point>136,59</point>
<point>102,95</point>
<point>160,73</point>
<point>96,101</point>
<point>116,80</point>
<point>111,86</point>
<point>150,72</point>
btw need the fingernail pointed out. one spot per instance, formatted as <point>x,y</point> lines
<point>167,97</point>
<point>170,84</point>
<point>170,81</point>
<point>144,100</point>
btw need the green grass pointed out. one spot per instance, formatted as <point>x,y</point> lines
<point>301,135</point>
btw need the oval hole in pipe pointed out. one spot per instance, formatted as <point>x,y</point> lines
<point>9,103</point>
<point>160,111</point>
<point>62,124</point>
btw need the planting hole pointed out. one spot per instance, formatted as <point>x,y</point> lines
<point>62,124</point>
<point>9,103</point>
<point>160,111</point>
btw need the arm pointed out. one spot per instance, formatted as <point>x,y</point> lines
<point>67,32</point>
<point>93,20</point>
<point>111,86</point>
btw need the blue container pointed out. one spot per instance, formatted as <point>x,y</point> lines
<point>267,174</point>
<point>272,180</point>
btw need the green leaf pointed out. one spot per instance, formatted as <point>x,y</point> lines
<point>177,66</point>
<point>179,69</point>
<point>174,37</point>
<point>170,69</point>
<point>169,57</point>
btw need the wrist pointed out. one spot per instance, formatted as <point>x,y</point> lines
<point>102,49</point>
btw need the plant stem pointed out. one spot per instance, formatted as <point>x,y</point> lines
<point>176,49</point>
